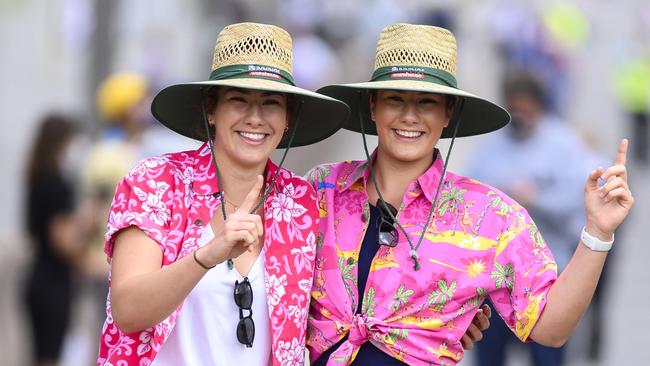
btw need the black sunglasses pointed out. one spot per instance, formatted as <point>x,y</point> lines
<point>388,234</point>
<point>244,299</point>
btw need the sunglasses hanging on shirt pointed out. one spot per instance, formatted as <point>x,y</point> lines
<point>388,234</point>
<point>243,295</point>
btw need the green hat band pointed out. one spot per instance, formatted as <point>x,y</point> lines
<point>429,74</point>
<point>252,72</point>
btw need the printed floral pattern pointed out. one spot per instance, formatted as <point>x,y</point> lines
<point>170,198</point>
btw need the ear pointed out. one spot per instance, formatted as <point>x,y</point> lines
<point>373,103</point>
<point>451,105</point>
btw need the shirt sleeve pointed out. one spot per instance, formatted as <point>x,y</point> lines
<point>144,198</point>
<point>523,272</point>
<point>315,176</point>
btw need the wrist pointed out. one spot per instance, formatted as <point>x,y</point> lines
<point>202,258</point>
<point>597,233</point>
<point>595,243</point>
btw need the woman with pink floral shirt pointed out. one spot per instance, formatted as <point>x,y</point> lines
<point>212,250</point>
<point>408,252</point>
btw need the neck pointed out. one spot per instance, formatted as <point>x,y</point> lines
<point>394,176</point>
<point>236,180</point>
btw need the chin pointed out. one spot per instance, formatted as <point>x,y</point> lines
<point>253,158</point>
<point>409,153</point>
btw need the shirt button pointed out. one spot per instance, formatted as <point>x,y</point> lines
<point>198,222</point>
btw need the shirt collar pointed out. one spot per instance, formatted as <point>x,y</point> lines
<point>427,182</point>
<point>205,180</point>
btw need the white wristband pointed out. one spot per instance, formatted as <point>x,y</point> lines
<point>594,243</point>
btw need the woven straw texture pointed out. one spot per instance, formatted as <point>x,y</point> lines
<point>416,45</point>
<point>253,44</point>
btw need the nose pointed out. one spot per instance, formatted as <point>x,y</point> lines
<point>410,113</point>
<point>254,117</point>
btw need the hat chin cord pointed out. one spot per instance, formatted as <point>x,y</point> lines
<point>269,188</point>
<point>414,248</point>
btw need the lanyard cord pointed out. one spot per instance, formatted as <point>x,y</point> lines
<point>414,248</point>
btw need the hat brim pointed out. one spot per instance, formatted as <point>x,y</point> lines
<point>478,116</point>
<point>178,107</point>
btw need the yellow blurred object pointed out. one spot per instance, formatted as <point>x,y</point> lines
<point>632,84</point>
<point>118,93</point>
<point>567,24</point>
<point>106,165</point>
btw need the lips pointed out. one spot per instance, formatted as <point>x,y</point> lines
<point>408,134</point>
<point>252,137</point>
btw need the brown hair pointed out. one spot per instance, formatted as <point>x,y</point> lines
<point>54,134</point>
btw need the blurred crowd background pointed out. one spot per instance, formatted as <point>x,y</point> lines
<point>77,77</point>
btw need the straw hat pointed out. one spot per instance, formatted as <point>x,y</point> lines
<point>251,56</point>
<point>418,58</point>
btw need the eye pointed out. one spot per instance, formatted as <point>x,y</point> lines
<point>272,102</point>
<point>238,99</point>
<point>395,98</point>
<point>428,101</point>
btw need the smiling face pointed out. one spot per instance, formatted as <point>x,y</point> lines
<point>248,124</point>
<point>409,124</point>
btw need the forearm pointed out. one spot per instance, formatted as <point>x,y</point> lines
<point>569,297</point>
<point>145,299</point>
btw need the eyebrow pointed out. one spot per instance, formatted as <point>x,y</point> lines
<point>248,91</point>
<point>406,91</point>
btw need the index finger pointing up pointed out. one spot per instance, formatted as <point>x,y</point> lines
<point>251,198</point>
<point>621,154</point>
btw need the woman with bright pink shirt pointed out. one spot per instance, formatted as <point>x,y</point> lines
<point>212,250</point>
<point>408,251</point>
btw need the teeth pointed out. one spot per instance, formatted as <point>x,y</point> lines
<point>252,136</point>
<point>408,133</point>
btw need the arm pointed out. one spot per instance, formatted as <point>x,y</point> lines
<point>143,294</point>
<point>64,236</point>
<point>69,232</point>
<point>606,208</point>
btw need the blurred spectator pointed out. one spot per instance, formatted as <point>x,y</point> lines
<point>56,229</point>
<point>122,103</point>
<point>541,162</point>
<point>527,41</point>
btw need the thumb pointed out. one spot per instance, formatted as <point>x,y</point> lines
<point>592,180</point>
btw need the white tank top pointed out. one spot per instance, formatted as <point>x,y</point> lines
<point>206,329</point>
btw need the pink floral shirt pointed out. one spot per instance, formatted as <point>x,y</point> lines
<point>171,198</point>
<point>480,244</point>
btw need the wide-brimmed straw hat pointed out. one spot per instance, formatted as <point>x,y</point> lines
<point>418,58</point>
<point>250,56</point>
